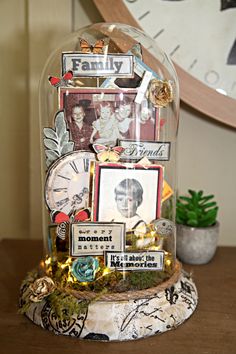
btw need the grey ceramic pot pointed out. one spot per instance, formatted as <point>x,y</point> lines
<point>196,245</point>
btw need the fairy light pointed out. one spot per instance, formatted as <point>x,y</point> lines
<point>153,233</point>
<point>66,264</point>
<point>42,264</point>
<point>167,254</point>
<point>68,261</point>
<point>105,271</point>
<point>156,248</point>
<point>168,262</point>
<point>48,261</point>
<point>48,268</point>
<point>168,259</point>
<point>62,266</point>
<point>70,279</point>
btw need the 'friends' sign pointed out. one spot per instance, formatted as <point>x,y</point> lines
<point>83,65</point>
<point>134,150</point>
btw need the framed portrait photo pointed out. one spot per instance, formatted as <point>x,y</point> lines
<point>127,194</point>
<point>104,116</point>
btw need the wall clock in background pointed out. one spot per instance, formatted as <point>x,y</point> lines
<point>200,38</point>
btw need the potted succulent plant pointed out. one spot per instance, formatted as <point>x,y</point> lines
<point>197,227</point>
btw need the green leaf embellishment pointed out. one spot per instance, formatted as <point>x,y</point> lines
<point>56,141</point>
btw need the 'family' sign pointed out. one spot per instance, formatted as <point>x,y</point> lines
<point>83,65</point>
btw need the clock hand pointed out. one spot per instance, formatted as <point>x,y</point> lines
<point>227,4</point>
<point>77,199</point>
<point>231,60</point>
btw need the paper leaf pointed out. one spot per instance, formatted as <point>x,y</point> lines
<point>50,133</point>
<point>56,140</point>
<point>65,138</point>
<point>60,124</point>
<point>50,144</point>
<point>68,147</point>
<point>51,157</point>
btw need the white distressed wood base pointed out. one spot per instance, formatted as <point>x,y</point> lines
<point>124,320</point>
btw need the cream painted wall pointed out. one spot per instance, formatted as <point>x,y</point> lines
<point>30,30</point>
<point>14,121</point>
<point>206,160</point>
<point>48,22</point>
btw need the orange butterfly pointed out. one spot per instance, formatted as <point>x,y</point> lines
<point>97,48</point>
<point>107,153</point>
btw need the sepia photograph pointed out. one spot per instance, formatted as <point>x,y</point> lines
<point>104,116</point>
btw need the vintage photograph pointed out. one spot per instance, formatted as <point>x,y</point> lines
<point>129,195</point>
<point>103,116</point>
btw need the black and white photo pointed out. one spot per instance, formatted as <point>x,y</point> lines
<point>129,195</point>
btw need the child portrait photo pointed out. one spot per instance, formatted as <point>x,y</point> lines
<point>123,194</point>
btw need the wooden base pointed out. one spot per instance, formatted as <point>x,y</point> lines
<point>121,320</point>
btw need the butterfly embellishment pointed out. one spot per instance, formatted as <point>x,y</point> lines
<point>62,220</point>
<point>59,217</point>
<point>64,81</point>
<point>97,48</point>
<point>107,153</point>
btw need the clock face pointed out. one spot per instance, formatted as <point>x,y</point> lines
<point>198,35</point>
<point>68,181</point>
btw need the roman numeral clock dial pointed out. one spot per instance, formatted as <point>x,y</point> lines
<point>68,181</point>
<point>200,38</point>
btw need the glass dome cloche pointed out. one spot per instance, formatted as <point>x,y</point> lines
<point>109,105</point>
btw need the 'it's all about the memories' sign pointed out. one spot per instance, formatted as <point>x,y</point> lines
<point>135,260</point>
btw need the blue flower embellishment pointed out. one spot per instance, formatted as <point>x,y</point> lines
<point>85,268</point>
